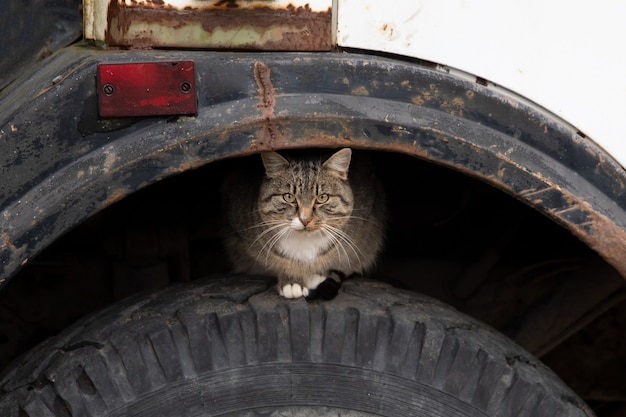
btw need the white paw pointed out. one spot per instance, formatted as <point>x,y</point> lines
<point>293,291</point>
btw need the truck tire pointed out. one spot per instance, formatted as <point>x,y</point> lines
<point>231,346</point>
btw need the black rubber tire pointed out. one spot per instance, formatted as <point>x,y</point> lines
<point>233,347</point>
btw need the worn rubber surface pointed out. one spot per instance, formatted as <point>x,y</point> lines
<point>232,347</point>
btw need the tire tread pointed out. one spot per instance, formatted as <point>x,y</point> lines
<point>214,333</point>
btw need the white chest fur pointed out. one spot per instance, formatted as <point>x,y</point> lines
<point>303,246</point>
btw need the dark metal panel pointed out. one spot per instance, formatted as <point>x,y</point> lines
<point>30,31</point>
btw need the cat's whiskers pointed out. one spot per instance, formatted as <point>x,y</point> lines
<point>271,242</point>
<point>262,224</point>
<point>338,245</point>
<point>342,236</point>
<point>346,238</point>
<point>275,225</point>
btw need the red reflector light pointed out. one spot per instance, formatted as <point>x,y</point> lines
<point>147,89</point>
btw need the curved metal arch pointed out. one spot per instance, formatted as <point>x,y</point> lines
<point>254,102</point>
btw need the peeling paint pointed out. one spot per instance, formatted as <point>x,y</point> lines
<point>261,25</point>
<point>316,5</point>
<point>110,158</point>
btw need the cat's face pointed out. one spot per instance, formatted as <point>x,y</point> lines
<point>306,197</point>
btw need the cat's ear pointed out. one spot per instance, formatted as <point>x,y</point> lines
<point>274,163</point>
<point>339,163</point>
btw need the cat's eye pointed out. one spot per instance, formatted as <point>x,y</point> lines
<point>322,198</point>
<point>288,197</point>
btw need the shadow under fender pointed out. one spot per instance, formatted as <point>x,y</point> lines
<point>232,346</point>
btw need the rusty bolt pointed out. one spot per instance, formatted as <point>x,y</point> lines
<point>108,89</point>
<point>185,87</point>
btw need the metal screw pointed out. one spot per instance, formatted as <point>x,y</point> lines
<point>108,89</point>
<point>185,87</point>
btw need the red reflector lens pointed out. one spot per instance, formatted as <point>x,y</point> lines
<point>147,89</point>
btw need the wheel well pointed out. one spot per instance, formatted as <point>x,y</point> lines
<point>247,106</point>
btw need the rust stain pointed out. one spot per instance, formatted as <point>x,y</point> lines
<point>617,185</point>
<point>385,28</point>
<point>186,166</point>
<point>594,154</point>
<point>605,237</point>
<point>270,135</point>
<point>116,196</point>
<point>291,28</point>
<point>7,243</point>
<point>16,255</point>
<point>267,92</point>
<point>223,137</point>
<point>419,100</point>
<point>360,91</point>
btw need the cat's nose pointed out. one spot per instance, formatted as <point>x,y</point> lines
<point>304,219</point>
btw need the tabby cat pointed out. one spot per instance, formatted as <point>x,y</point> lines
<point>307,221</point>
